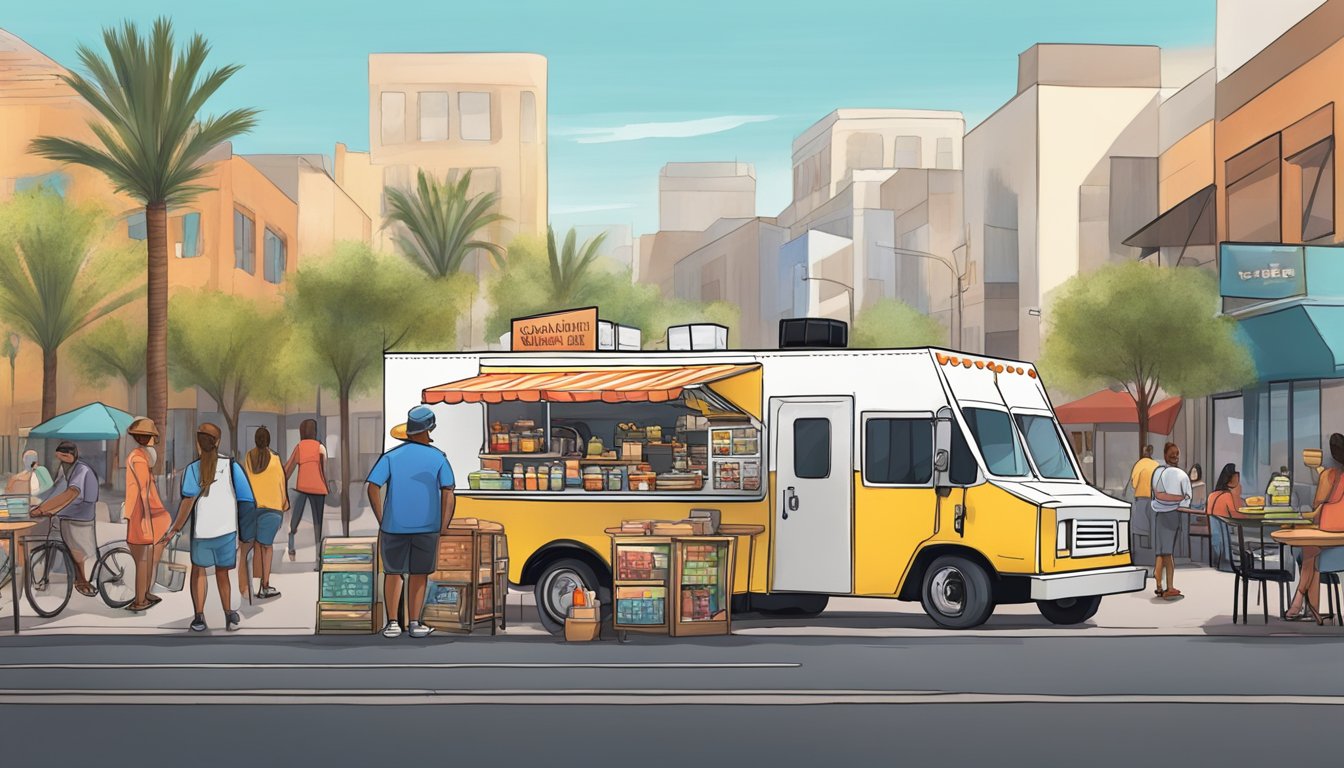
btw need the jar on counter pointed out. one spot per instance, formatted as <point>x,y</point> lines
<point>616,479</point>
<point>557,477</point>
<point>519,479</point>
<point>593,479</point>
<point>530,479</point>
<point>543,478</point>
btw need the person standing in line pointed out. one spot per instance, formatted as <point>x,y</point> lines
<point>1171,493</point>
<point>310,457</point>
<point>417,510</point>
<point>215,494</point>
<point>147,519</point>
<point>71,499</point>
<point>1140,509</point>
<point>257,529</point>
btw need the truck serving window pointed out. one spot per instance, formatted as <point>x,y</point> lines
<point>993,432</point>
<point>898,451</point>
<point>1046,447</point>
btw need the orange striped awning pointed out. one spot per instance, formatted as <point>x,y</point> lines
<point>608,385</point>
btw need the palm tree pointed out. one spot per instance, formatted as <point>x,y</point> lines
<point>570,266</point>
<point>440,221</point>
<point>149,92</point>
<point>54,281</point>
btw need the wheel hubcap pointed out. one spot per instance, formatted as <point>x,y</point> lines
<point>948,591</point>
<point>559,592</point>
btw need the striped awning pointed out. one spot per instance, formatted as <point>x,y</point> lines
<point>588,385</point>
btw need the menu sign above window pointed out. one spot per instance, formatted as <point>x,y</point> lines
<point>1265,272</point>
<point>574,330</point>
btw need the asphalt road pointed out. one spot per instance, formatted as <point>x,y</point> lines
<point>720,701</point>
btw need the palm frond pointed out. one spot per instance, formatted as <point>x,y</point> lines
<point>439,222</point>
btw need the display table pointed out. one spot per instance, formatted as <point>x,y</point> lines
<point>470,581</point>
<point>1308,537</point>
<point>10,530</point>
<point>347,600</point>
<point>672,585</point>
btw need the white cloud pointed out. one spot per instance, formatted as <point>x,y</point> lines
<point>682,129</point>
<point>566,210</point>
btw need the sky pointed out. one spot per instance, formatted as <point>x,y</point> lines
<point>633,84</point>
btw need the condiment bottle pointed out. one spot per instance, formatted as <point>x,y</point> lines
<point>518,477</point>
<point>543,478</point>
<point>530,479</point>
<point>557,477</point>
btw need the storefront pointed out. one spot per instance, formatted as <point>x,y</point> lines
<point>1289,303</point>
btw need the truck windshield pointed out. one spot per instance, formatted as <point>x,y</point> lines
<point>994,433</point>
<point>1046,447</point>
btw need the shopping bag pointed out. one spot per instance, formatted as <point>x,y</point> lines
<point>171,573</point>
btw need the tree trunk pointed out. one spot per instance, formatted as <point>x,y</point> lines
<point>1141,406</point>
<point>48,384</point>
<point>345,461</point>
<point>231,421</point>
<point>156,351</point>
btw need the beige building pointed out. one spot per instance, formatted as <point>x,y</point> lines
<point>738,261</point>
<point>692,196</point>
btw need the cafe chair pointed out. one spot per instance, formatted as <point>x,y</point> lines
<point>1248,565</point>
<point>1330,581</point>
<point>1199,527</point>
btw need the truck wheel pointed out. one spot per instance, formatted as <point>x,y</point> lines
<point>957,593</point>
<point>1070,610</point>
<point>554,589</point>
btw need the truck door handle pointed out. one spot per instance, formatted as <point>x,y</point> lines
<point>959,520</point>
<point>790,502</point>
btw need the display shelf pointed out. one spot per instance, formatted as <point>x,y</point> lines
<point>692,597</point>
<point>470,583</point>
<point>348,586</point>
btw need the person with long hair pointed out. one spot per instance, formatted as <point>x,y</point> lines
<point>1307,600</point>
<point>1224,501</point>
<point>257,528</point>
<point>147,519</point>
<point>310,458</point>
<point>215,493</point>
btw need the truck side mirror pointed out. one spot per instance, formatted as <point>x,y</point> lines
<point>942,445</point>
<point>940,460</point>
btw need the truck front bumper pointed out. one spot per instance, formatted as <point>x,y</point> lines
<point>1103,581</point>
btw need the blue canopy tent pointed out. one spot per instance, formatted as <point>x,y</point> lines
<point>94,421</point>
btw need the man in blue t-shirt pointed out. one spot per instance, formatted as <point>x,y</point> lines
<point>418,508</point>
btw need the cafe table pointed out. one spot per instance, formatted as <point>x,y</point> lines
<point>1308,537</point>
<point>9,530</point>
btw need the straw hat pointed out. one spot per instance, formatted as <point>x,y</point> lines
<point>145,428</point>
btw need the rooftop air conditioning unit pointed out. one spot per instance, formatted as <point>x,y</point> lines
<point>614,337</point>
<point>813,333</point>
<point>697,337</point>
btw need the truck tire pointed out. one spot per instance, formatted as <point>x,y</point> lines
<point>553,588</point>
<point>957,593</point>
<point>1070,610</point>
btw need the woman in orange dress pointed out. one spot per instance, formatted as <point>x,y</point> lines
<point>147,520</point>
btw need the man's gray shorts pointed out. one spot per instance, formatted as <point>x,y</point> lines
<point>80,536</point>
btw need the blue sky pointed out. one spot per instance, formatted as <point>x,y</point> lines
<point>725,80</point>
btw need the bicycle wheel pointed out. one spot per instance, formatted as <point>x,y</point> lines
<point>114,577</point>
<point>48,582</point>
<point>6,566</point>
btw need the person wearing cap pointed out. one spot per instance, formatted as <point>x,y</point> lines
<point>215,494</point>
<point>71,500</point>
<point>416,509</point>
<point>147,519</point>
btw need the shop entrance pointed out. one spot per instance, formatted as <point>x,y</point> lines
<point>814,493</point>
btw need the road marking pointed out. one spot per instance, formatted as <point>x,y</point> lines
<point>662,697</point>
<point>356,666</point>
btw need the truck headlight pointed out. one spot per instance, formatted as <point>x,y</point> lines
<point>1122,536</point>
<point>1063,538</point>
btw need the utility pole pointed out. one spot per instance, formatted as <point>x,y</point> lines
<point>958,279</point>
<point>849,289</point>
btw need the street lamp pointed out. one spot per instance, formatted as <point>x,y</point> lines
<point>958,278</point>
<point>849,290</point>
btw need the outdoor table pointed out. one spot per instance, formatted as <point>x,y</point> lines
<point>10,530</point>
<point>1309,537</point>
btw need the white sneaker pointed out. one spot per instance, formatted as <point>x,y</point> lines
<point>393,629</point>
<point>416,629</point>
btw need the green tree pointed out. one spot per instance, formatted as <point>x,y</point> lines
<point>56,276</point>
<point>230,348</point>
<point>1147,329</point>
<point>112,350</point>
<point>570,266</point>
<point>347,310</point>
<point>891,324</point>
<point>440,222</point>
<point>148,92</point>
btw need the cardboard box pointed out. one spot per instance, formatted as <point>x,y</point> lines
<point>583,612</point>
<point>582,630</point>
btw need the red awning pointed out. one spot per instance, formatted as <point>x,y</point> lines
<point>1107,407</point>
<point>612,385</point>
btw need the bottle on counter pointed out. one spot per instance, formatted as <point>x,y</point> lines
<point>519,478</point>
<point>530,479</point>
<point>543,478</point>
<point>557,477</point>
<point>616,479</point>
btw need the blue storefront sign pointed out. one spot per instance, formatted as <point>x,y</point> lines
<point>1265,272</point>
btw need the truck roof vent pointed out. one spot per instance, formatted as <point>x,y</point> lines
<point>813,333</point>
<point>697,337</point>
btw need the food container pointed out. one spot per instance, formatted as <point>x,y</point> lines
<point>616,479</point>
<point>527,444</point>
<point>476,480</point>
<point>595,447</point>
<point>632,451</point>
<point>519,477</point>
<point>593,479</point>
<point>496,483</point>
<point>643,481</point>
<point>654,434</point>
<point>543,479</point>
<point>530,479</point>
<point>524,425</point>
<point>557,477</point>
<point>573,475</point>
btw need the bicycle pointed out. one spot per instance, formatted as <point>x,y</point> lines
<point>49,566</point>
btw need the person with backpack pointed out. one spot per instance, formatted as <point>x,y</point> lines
<point>1328,514</point>
<point>215,494</point>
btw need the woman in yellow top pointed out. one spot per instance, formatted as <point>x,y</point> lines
<point>257,529</point>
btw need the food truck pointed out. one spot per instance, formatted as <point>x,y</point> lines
<point>912,474</point>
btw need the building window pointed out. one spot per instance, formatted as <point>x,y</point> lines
<point>136,228</point>
<point>812,449</point>
<point>52,182</point>
<point>527,117</point>
<point>908,151</point>
<point>274,254</point>
<point>191,235</point>
<point>393,114</point>
<point>863,150</point>
<point>433,116</point>
<point>944,158</point>
<point>1316,167</point>
<point>473,109</point>
<point>898,451</point>
<point>1253,194</point>
<point>244,242</point>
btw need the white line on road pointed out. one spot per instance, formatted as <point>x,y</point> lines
<point>610,697</point>
<point>463,665</point>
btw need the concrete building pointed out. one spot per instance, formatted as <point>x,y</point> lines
<point>327,214</point>
<point>928,210</point>
<point>1055,180</point>
<point>738,261</point>
<point>692,196</point>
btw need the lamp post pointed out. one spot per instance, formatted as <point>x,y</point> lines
<point>849,290</point>
<point>958,280</point>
